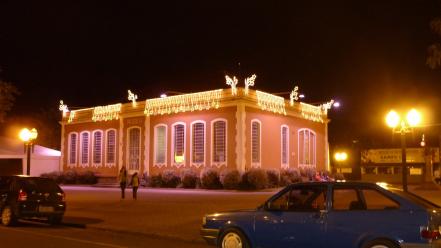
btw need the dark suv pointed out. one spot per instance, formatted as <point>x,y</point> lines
<point>23,197</point>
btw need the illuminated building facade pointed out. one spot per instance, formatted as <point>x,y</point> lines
<point>235,128</point>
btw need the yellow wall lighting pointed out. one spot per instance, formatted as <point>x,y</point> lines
<point>183,103</point>
<point>270,102</point>
<point>106,113</point>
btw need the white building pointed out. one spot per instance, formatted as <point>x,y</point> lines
<point>13,158</point>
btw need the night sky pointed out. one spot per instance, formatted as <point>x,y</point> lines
<point>370,55</point>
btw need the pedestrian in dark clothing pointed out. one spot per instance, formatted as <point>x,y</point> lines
<point>135,184</point>
<point>122,181</point>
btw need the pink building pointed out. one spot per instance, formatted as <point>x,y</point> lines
<point>233,128</point>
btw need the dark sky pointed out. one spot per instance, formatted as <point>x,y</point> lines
<point>370,55</point>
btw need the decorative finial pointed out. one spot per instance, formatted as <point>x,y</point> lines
<point>294,96</point>
<point>327,106</point>
<point>249,81</point>
<point>232,82</point>
<point>132,97</point>
<point>63,108</point>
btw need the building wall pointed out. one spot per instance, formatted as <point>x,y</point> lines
<point>90,126</point>
<point>188,118</point>
<point>271,139</point>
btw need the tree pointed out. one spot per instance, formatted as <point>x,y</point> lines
<point>434,51</point>
<point>7,97</point>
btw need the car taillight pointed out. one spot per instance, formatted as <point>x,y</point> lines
<point>62,196</point>
<point>22,196</point>
<point>430,234</point>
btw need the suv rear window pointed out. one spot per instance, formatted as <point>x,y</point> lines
<point>39,185</point>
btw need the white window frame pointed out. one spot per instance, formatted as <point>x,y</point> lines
<point>225,163</point>
<point>311,154</point>
<point>197,165</point>
<point>93,149</point>
<point>155,143</point>
<point>106,148</point>
<point>128,149</point>
<point>81,149</point>
<point>284,165</point>
<point>69,149</point>
<point>172,155</point>
<point>259,163</point>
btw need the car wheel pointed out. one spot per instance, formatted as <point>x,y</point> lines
<point>380,243</point>
<point>233,238</point>
<point>55,219</point>
<point>8,217</point>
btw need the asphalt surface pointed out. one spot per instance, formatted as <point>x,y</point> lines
<point>174,214</point>
<point>34,234</point>
<point>97,217</point>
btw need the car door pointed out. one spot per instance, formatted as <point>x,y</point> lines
<point>293,219</point>
<point>359,212</point>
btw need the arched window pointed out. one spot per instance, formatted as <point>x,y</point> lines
<point>285,146</point>
<point>307,146</point>
<point>198,143</point>
<point>160,145</point>
<point>219,137</point>
<point>97,148</point>
<point>73,142</point>
<point>110,147</point>
<point>134,146</point>
<point>255,143</point>
<point>84,149</point>
<point>178,149</point>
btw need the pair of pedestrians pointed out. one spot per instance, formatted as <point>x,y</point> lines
<point>134,181</point>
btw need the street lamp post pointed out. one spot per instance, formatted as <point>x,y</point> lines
<point>28,137</point>
<point>402,127</point>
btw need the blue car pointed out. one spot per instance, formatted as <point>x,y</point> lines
<point>330,214</point>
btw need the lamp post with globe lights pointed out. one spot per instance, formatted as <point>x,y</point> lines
<point>28,137</point>
<point>403,126</point>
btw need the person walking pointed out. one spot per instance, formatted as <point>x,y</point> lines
<point>135,184</point>
<point>122,181</point>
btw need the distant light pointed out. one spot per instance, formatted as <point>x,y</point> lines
<point>392,119</point>
<point>301,96</point>
<point>413,117</point>
<point>336,104</point>
<point>163,95</point>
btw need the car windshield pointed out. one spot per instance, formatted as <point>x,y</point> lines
<point>39,185</point>
<point>417,199</point>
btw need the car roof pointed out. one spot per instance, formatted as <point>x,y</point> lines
<point>345,183</point>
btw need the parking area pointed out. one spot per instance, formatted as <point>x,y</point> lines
<point>167,213</point>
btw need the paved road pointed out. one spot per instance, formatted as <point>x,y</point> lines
<point>34,234</point>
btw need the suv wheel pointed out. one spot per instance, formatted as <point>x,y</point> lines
<point>8,217</point>
<point>55,219</point>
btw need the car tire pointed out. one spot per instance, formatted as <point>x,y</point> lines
<point>380,243</point>
<point>8,217</point>
<point>55,219</point>
<point>233,238</point>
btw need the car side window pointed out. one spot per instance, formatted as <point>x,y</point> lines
<point>346,199</point>
<point>301,199</point>
<point>375,200</point>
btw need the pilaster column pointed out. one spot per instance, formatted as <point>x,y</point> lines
<point>240,137</point>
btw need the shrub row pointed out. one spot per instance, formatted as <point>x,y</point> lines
<point>72,177</point>
<point>229,179</point>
